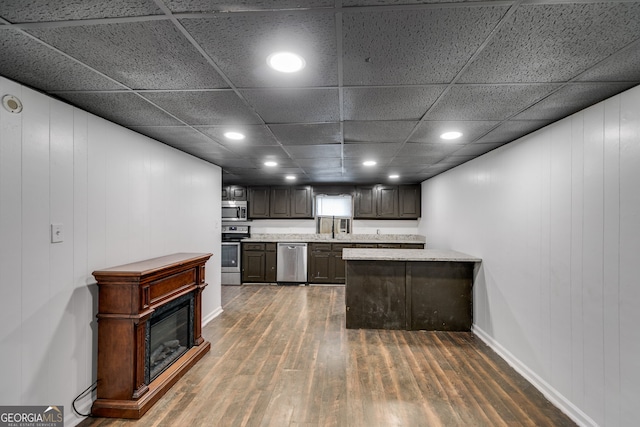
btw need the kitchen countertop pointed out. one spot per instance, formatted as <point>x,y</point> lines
<point>353,254</point>
<point>340,238</point>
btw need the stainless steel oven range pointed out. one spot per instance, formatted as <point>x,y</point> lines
<point>230,252</point>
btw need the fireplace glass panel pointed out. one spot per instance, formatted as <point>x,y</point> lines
<point>169,339</point>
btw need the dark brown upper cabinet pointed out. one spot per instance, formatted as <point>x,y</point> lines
<point>259,202</point>
<point>370,201</point>
<point>280,202</point>
<point>301,202</point>
<point>234,192</point>
<point>387,202</point>
<point>364,206</point>
<point>409,201</point>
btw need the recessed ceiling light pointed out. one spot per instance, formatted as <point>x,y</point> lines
<point>290,178</point>
<point>369,163</point>
<point>234,135</point>
<point>270,163</point>
<point>286,62</point>
<point>394,176</point>
<point>451,135</point>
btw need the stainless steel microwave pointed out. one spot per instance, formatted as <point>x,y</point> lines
<point>234,210</point>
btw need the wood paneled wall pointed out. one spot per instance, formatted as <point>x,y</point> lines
<point>555,216</point>
<point>121,197</point>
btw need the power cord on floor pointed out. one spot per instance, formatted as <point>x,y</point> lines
<point>86,391</point>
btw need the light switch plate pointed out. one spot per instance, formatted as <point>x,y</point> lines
<point>57,235</point>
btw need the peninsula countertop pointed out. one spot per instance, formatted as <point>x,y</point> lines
<point>339,238</point>
<point>354,254</point>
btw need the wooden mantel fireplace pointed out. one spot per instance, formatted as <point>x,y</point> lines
<point>132,299</point>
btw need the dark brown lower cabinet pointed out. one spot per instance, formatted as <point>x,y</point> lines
<point>258,262</point>
<point>339,265</point>
<point>440,295</point>
<point>270,262</point>
<point>327,266</point>
<point>321,263</point>
<point>374,295</point>
<point>430,295</point>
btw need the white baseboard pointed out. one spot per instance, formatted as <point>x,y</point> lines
<point>209,317</point>
<point>553,395</point>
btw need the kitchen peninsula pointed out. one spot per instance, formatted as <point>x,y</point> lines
<point>412,289</point>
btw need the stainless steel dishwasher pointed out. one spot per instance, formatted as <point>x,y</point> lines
<point>291,264</point>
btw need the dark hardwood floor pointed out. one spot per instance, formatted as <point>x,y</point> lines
<point>281,356</point>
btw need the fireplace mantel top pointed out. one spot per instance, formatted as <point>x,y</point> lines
<point>150,266</point>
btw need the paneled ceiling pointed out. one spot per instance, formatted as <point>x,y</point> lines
<point>383,78</point>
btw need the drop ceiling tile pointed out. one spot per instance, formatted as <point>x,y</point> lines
<point>404,170</point>
<point>254,135</point>
<point>178,6</point>
<point>477,149</point>
<point>389,103</point>
<point>241,171</point>
<point>209,151</point>
<point>236,163</point>
<point>379,177</point>
<point>330,176</point>
<point>571,98</point>
<point>437,168</point>
<point>432,151</point>
<point>124,108</point>
<point>419,162</point>
<point>554,42</point>
<point>487,102</point>
<point>455,160</point>
<point>380,131</point>
<point>282,171</point>
<point>299,134</point>
<point>171,135</point>
<point>242,54</point>
<point>512,130</point>
<point>186,139</point>
<point>141,55</point>
<point>323,171</point>
<point>430,131</point>
<point>423,176</point>
<point>222,107</point>
<point>418,46</point>
<point>262,153</point>
<point>373,150</point>
<point>47,10</point>
<point>328,171</point>
<point>32,63</point>
<point>623,66</point>
<point>295,105</point>
<point>314,151</point>
<point>353,164</point>
<point>275,176</point>
<point>349,3</point>
<point>319,164</point>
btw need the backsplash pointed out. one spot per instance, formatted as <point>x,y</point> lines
<point>362,238</point>
<point>307,226</point>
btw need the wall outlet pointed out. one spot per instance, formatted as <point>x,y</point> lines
<point>57,235</point>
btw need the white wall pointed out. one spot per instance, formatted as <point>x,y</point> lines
<point>555,216</point>
<point>121,197</point>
